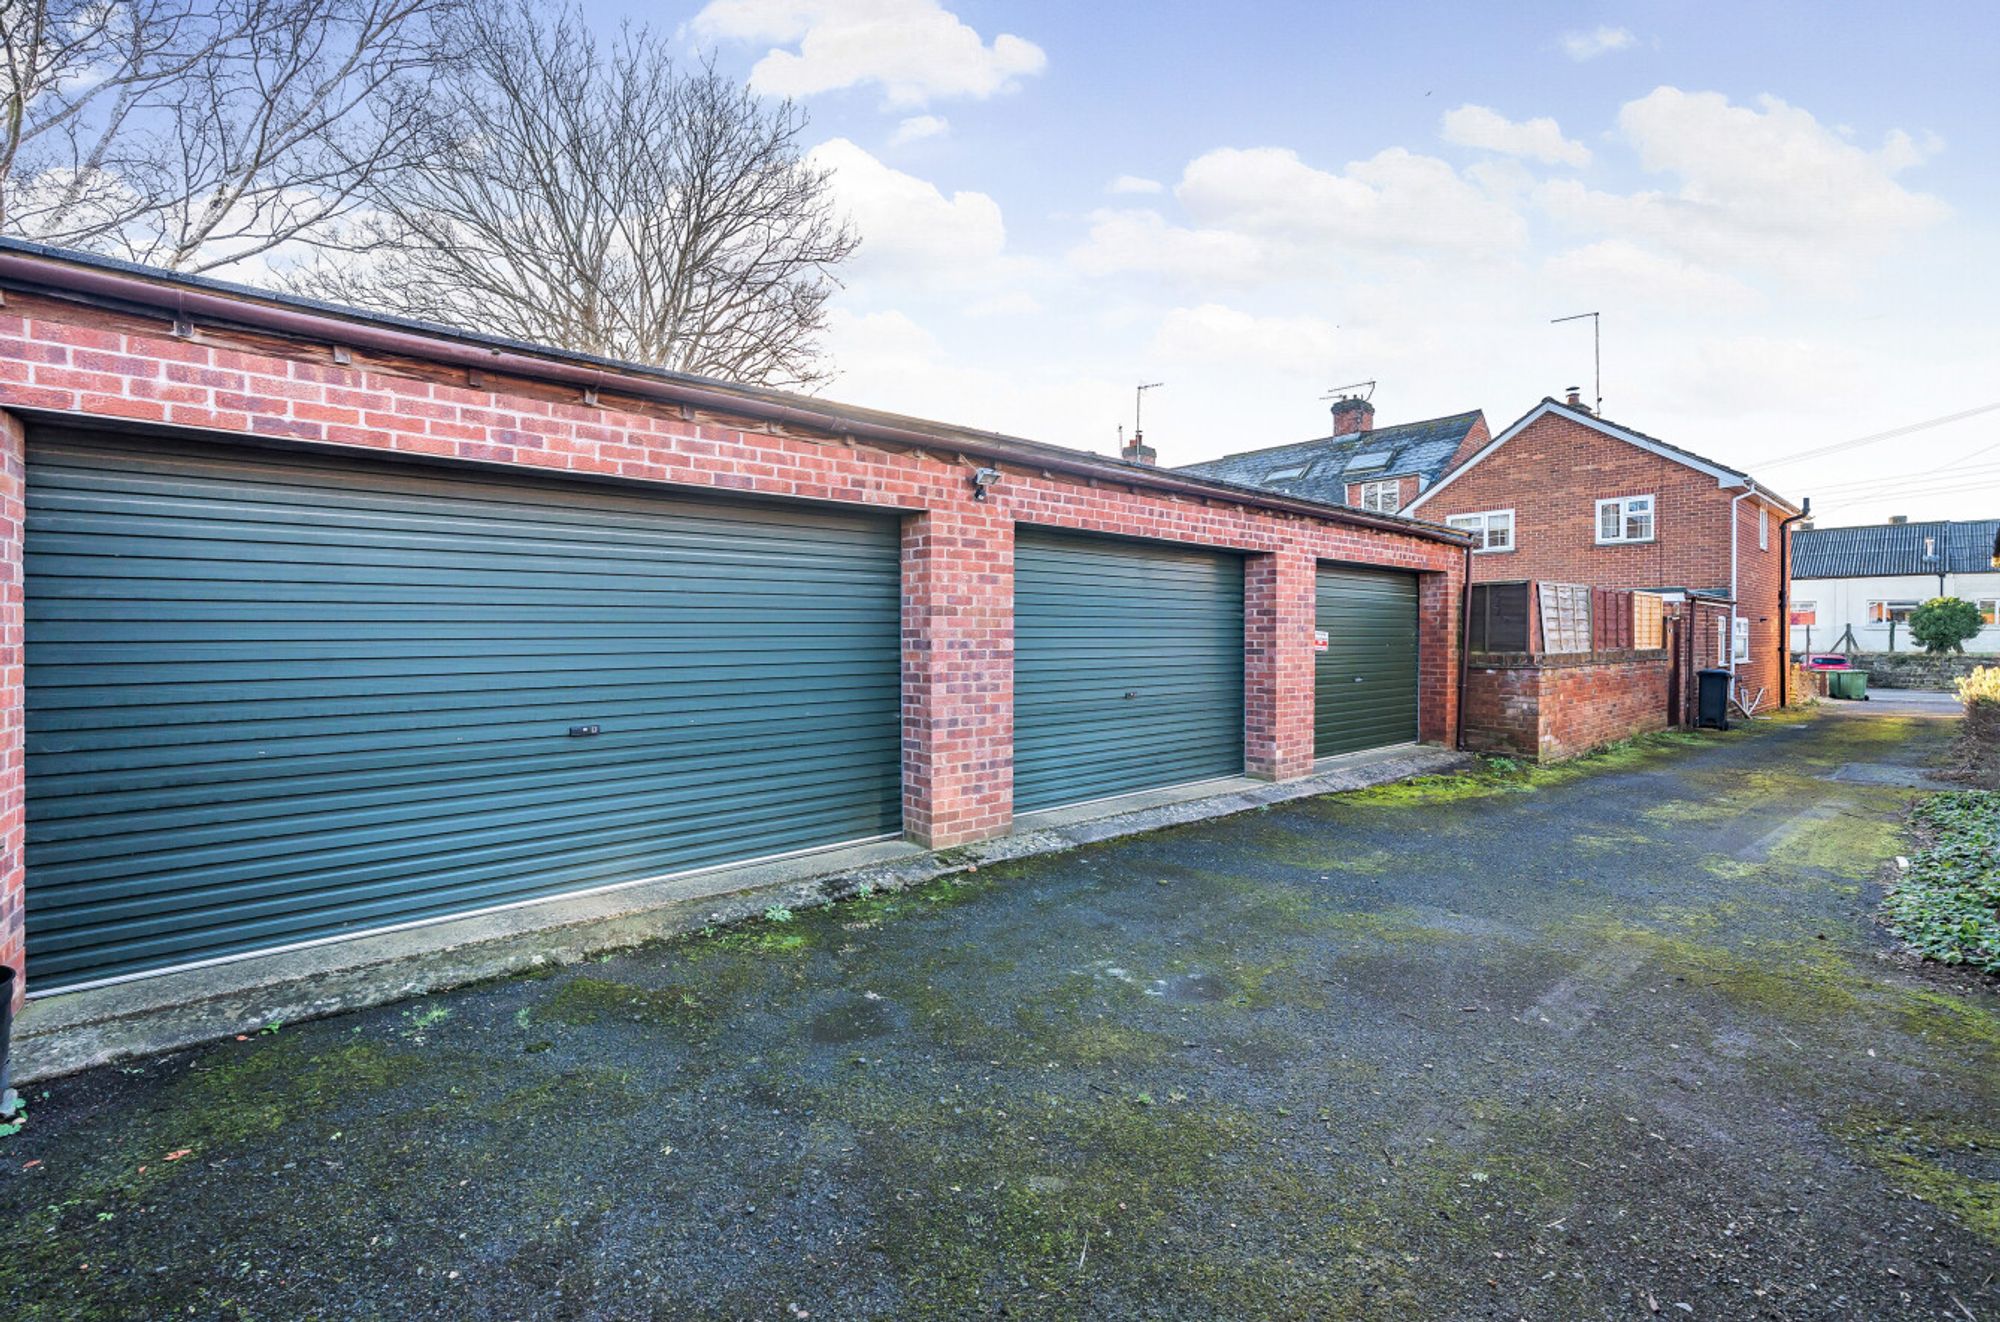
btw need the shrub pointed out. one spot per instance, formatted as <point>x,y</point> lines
<point>1942,624</point>
<point>1982,685</point>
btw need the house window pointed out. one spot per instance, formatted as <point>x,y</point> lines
<point>1989,611</point>
<point>1285,474</point>
<point>1741,651</point>
<point>1763,529</point>
<point>1882,612</point>
<point>1624,519</point>
<point>1492,530</point>
<point>1384,497</point>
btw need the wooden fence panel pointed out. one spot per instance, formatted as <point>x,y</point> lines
<point>1565,617</point>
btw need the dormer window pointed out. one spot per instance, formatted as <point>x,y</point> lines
<point>1624,519</point>
<point>1385,497</point>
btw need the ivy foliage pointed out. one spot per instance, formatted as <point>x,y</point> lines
<point>1948,904</point>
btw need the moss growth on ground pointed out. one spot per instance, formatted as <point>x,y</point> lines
<point>586,1000</point>
<point>1932,1160</point>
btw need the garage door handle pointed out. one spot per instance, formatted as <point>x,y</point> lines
<point>1359,678</point>
<point>1133,694</point>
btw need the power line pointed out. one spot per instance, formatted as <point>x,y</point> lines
<point>1889,435</point>
<point>1926,479</point>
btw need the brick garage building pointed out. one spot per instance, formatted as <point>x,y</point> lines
<point>231,521</point>
<point>1565,496</point>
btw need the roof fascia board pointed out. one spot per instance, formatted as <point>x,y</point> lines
<point>1724,477</point>
<point>89,279</point>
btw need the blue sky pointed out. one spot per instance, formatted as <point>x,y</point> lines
<point>1782,211</point>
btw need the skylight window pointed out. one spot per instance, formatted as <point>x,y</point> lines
<point>1361,463</point>
<point>1285,474</point>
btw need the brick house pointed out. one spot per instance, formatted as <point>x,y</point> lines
<point>1380,469</point>
<point>1566,496</point>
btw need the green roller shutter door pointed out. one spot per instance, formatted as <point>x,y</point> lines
<point>275,699</point>
<point>1365,682</point>
<point>1128,667</point>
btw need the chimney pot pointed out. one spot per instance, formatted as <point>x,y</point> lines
<point>1575,396</point>
<point>1136,451</point>
<point>1352,416</point>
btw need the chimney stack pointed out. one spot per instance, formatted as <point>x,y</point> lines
<point>1136,451</point>
<point>1576,398</point>
<point>1352,416</point>
<point>1899,518</point>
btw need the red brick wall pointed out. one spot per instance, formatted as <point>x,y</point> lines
<point>1553,473</point>
<point>957,552</point>
<point>1553,708</point>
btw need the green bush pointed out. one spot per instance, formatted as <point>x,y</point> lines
<point>1948,904</point>
<point>1942,624</point>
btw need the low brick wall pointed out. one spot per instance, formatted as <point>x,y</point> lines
<point>1554,707</point>
<point>1915,670</point>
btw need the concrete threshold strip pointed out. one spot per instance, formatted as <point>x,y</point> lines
<point>70,1031</point>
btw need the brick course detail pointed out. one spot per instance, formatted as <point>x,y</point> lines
<point>1552,708</point>
<point>74,363</point>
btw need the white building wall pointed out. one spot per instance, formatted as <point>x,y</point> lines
<point>1840,602</point>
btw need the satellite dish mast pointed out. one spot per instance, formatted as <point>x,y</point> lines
<point>1596,355</point>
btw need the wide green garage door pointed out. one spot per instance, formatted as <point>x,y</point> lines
<point>1365,682</point>
<point>273,699</point>
<point>1128,667</point>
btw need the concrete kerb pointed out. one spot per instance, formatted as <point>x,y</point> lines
<point>77,1030</point>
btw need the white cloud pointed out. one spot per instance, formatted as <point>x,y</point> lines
<point>915,50</point>
<point>1764,186</point>
<point>1012,303</point>
<point>1126,184</point>
<point>1213,333</point>
<point>1615,275</point>
<point>1394,201</point>
<point>1537,139</point>
<point>1123,242</point>
<point>918,127</point>
<point>1581,46</point>
<point>907,224</point>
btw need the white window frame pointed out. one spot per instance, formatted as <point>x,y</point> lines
<point>1763,529</point>
<point>1480,524</point>
<point>1371,495</point>
<point>1739,652</point>
<point>1889,608</point>
<point>1624,504</point>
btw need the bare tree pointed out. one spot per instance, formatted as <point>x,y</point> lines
<point>195,133</point>
<point>606,200</point>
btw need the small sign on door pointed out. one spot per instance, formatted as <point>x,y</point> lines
<point>1319,640</point>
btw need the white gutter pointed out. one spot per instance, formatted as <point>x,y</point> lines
<point>1735,531</point>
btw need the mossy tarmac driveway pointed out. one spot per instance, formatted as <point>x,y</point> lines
<point>1618,1041</point>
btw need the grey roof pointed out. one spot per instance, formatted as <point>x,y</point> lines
<point>1331,462</point>
<point>1884,550</point>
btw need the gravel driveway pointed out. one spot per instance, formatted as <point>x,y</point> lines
<point>1619,1041</point>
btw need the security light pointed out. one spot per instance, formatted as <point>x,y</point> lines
<point>983,478</point>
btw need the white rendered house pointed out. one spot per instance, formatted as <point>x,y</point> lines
<point>1854,588</point>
